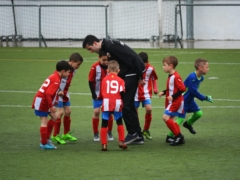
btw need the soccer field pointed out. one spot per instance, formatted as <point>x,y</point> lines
<point>213,153</point>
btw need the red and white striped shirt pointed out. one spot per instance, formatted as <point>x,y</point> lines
<point>112,85</point>
<point>96,75</point>
<point>145,92</point>
<point>64,86</point>
<point>47,94</point>
<point>174,84</point>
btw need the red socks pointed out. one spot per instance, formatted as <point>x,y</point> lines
<point>173,127</point>
<point>120,130</point>
<point>148,120</point>
<point>66,122</point>
<point>50,126</point>
<point>103,135</point>
<point>43,134</point>
<point>57,127</point>
<point>95,123</point>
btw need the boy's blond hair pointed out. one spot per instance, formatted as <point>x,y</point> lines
<point>113,66</point>
<point>199,62</point>
<point>171,60</point>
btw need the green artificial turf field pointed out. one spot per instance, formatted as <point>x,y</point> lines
<point>213,153</point>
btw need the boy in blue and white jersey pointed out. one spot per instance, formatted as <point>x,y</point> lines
<point>192,84</point>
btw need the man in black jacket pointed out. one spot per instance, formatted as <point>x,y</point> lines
<point>131,70</point>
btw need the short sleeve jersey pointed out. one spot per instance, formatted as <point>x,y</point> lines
<point>47,94</point>
<point>174,84</point>
<point>145,92</point>
<point>96,75</point>
<point>112,85</point>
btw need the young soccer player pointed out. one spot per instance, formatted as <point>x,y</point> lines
<point>144,94</point>
<point>63,106</point>
<point>97,72</point>
<point>45,99</point>
<point>112,89</point>
<point>174,99</point>
<point>192,84</point>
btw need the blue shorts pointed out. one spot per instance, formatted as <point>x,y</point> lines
<point>41,113</point>
<point>172,114</point>
<point>106,115</point>
<point>189,108</point>
<point>97,103</point>
<point>144,102</point>
<point>61,104</point>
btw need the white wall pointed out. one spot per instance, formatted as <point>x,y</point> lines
<point>215,22</point>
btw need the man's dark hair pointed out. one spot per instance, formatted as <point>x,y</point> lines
<point>75,57</point>
<point>102,53</point>
<point>63,65</point>
<point>143,56</point>
<point>89,39</point>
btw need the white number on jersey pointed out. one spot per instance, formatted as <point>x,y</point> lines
<point>113,85</point>
<point>45,84</point>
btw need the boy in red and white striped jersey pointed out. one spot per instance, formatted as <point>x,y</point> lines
<point>144,94</point>
<point>174,102</point>
<point>97,72</point>
<point>45,99</point>
<point>112,89</point>
<point>63,106</point>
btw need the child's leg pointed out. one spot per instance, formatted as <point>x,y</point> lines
<point>179,122</point>
<point>110,123</point>
<point>57,127</point>
<point>148,117</point>
<point>103,134</point>
<point>43,129</point>
<point>121,135</point>
<point>66,118</point>
<point>50,126</point>
<point>95,120</point>
<point>194,117</point>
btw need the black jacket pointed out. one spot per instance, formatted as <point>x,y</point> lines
<point>129,61</point>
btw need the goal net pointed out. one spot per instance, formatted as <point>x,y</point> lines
<point>66,23</point>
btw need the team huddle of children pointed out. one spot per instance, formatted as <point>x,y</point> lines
<point>108,89</point>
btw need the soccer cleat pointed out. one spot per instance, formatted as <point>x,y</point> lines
<point>178,140</point>
<point>68,137</point>
<point>96,137</point>
<point>122,145</point>
<point>104,147</point>
<point>47,146</point>
<point>130,138</point>
<point>110,136</point>
<point>139,140</point>
<point>147,135</point>
<point>58,139</point>
<point>169,139</point>
<point>189,127</point>
<point>49,141</point>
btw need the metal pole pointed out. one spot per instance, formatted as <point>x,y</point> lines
<point>106,21</point>
<point>160,21</point>
<point>190,24</point>
<point>39,14</point>
<point>14,18</point>
<point>175,36</point>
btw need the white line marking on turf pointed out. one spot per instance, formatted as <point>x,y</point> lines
<point>155,107</point>
<point>88,94</point>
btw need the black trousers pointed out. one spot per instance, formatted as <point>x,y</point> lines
<point>130,115</point>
